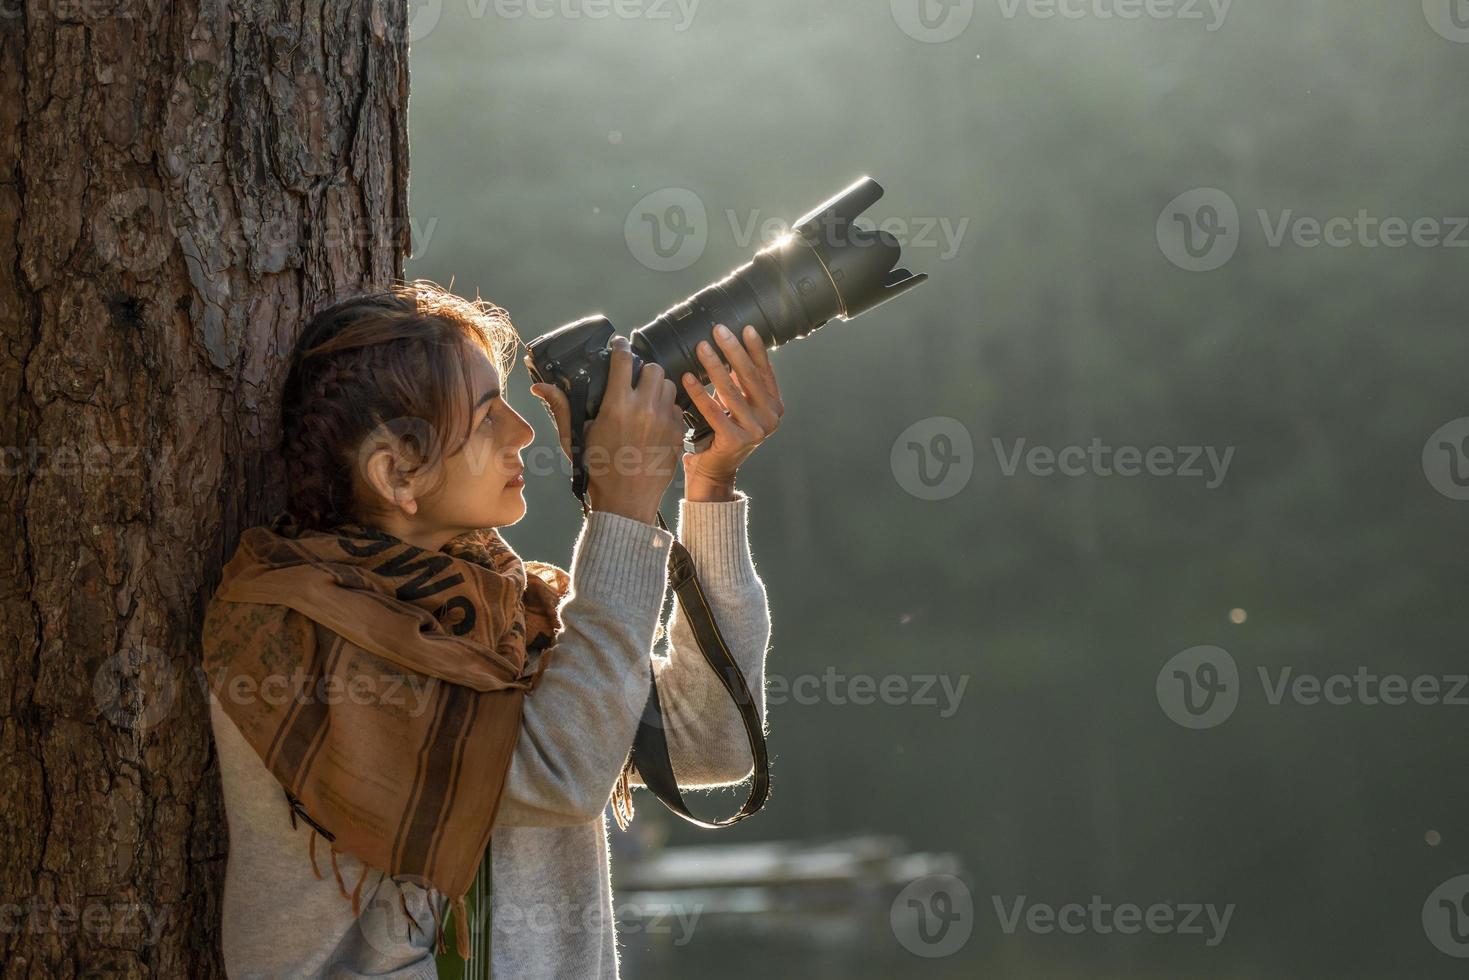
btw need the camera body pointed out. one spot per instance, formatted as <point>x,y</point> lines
<point>826,267</point>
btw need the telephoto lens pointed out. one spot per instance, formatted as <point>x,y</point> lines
<point>827,267</point>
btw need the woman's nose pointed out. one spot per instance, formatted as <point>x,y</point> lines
<point>527,434</point>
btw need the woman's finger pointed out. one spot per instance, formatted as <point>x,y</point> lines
<point>732,398</point>
<point>619,370</point>
<point>760,357</point>
<point>560,408</point>
<point>704,402</point>
<point>763,416</point>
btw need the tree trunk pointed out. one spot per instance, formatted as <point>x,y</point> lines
<point>181,186</point>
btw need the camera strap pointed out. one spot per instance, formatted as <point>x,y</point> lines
<point>650,744</point>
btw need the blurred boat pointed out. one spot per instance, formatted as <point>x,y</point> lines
<point>833,890</point>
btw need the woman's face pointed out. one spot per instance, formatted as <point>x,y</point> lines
<point>476,491</point>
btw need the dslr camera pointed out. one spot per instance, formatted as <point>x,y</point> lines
<point>826,267</point>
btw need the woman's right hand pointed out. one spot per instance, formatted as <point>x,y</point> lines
<point>634,443</point>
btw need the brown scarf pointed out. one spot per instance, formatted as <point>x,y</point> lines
<point>382,684</point>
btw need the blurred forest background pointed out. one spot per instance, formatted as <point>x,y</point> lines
<point>1057,316</point>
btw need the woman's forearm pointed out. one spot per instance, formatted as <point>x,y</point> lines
<point>707,743</point>
<point>578,723</point>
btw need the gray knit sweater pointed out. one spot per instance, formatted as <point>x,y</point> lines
<point>553,915</point>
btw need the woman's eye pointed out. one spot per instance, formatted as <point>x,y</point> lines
<point>485,422</point>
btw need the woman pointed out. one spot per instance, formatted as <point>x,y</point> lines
<point>376,385</point>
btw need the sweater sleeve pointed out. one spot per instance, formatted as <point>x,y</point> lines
<point>578,723</point>
<point>706,737</point>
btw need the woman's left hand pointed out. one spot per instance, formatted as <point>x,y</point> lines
<point>744,410</point>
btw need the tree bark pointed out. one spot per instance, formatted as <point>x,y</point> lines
<point>181,186</point>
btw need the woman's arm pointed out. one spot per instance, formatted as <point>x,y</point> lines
<point>579,721</point>
<point>707,743</point>
<point>578,724</point>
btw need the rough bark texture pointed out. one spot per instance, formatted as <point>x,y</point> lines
<point>181,184</point>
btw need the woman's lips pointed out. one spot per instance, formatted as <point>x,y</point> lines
<point>517,481</point>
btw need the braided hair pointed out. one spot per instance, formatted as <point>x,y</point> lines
<point>390,365</point>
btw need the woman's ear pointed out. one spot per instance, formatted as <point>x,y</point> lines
<point>385,480</point>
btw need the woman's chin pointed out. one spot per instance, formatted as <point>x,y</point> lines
<point>512,510</point>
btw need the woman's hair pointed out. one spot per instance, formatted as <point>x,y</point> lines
<point>389,364</point>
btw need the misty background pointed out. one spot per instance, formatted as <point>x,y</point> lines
<point>1067,182</point>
